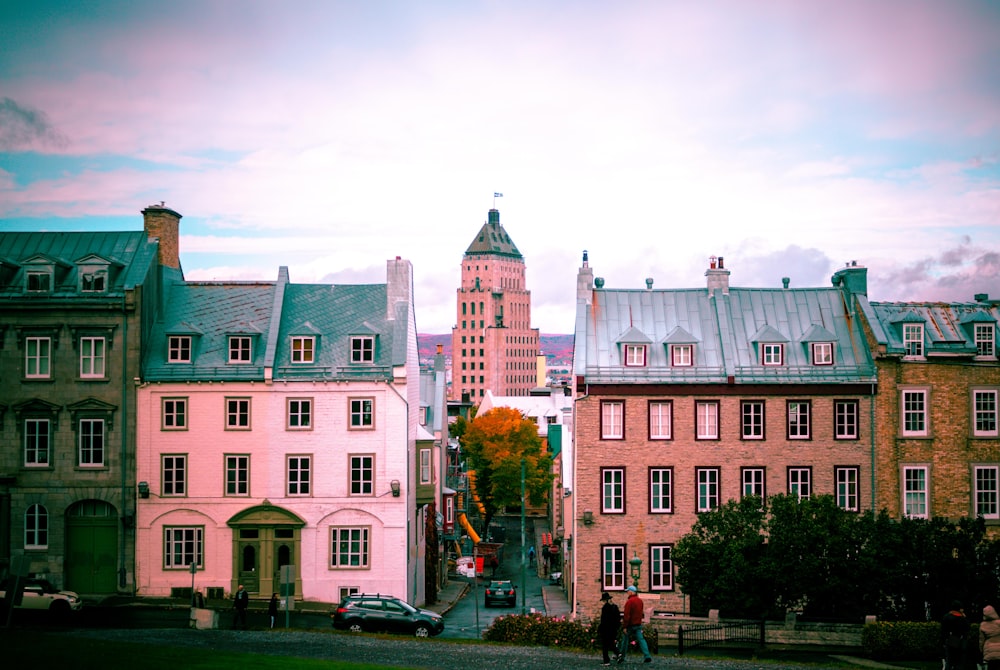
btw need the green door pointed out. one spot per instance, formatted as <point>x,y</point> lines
<point>91,548</point>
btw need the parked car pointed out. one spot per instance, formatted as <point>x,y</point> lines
<point>380,613</point>
<point>501,591</point>
<point>40,594</point>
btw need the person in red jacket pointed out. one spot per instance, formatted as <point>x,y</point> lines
<point>632,622</point>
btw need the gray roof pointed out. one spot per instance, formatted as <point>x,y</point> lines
<point>493,239</point>
<point>726,330</point>
<point>949,328</point>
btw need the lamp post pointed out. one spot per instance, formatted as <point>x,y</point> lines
<point>635,564</point>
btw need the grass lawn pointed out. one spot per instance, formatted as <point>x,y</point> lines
<point>36,649</point>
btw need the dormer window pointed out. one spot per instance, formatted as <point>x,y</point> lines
<point>681,355</point>
<point>985,334</point>
<point>303,349</point>
<point>822,353</point>
<point>913,339</point>
<point>240,349</point>
<point>635,355</point>
<point>39,282</point>
<point>772,353</point>
<point>179,349</point>
<point>93,282</point>
<point>362,349</point>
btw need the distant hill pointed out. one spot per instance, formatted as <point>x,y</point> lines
<point>558,349</point>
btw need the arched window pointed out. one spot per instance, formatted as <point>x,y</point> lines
<point>36,527</point>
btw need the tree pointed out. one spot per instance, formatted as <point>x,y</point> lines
<point>494,444</point>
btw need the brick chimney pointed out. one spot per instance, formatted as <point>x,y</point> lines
<point>163,224</point>
<point>718,276</point>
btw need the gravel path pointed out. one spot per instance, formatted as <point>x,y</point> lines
<point>401,652</point>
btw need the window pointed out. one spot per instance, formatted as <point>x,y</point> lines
<point>914,413</point>
<point>985,334</point>
<point>986,491</point>
<point>39,282</point>
<point>302,349</point>
<point>237,475</point>
<point>174,413</point>
<point>349,547</point>
<point>660,414</point>
<point>93,282</point>
<point>362,413</point>
<point>845,420</point>
<point>299,413</point>
<point>984,409</point>
<point>38,357</point>
<point>682,355</point>
<point>239,349</point>
<point>179,349</point>
<point>707,420</point>
<point>800,482</point>
<point>661,490</point>
<point>708,488</point>
<point>635,355</point>
<point>613,567</point>
<point>362,349</point>
<point>798,419</point>
<point>362,475</point>
<point>847,493</point>
<point>753,482</point>
<point>299,475</point>
<point>449,511</point>
<point>92,357</point>
<point>425,466</point>
<point>612,420</point>
<point>915,491</point>
<point>822,353</point>
<point>237,413</point>
<point>36,527</point>
<point>37,439</point>
<point>613,490</point>
<point>752,419</point>
<point>913,339</point>
<point>183,546</point>
<point>661,568</point>
<point>174,482</point>
<point>91,443</point>
<point>772,353</point>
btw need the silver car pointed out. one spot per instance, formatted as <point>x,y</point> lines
<point>40,594</point>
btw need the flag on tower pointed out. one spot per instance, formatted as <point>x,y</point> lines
<point>498,195</point>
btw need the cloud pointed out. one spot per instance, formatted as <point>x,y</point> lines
<point>25,129</point>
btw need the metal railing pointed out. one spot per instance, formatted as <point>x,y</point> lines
<point>736,632</point>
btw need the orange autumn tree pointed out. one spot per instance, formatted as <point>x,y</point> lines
<point>493,445</point>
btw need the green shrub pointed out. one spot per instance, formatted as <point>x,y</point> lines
<point>535,629</point>
<point>906,640</point>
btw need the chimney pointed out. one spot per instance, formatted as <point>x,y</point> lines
<point>852,278</point>
<point>785,281</point>
<point>718,276</point>
<point>163,224</point>
<point>398,280</point>
<point>585,281</point>
<point>649,283</point>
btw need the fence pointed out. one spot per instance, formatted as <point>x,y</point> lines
<point>737,632</point>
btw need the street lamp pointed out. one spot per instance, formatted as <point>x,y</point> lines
<point>635,563</point>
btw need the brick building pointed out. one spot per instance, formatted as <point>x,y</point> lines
<point>687,398</point>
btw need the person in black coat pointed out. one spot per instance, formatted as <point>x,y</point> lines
<point>607,630</point>
<point>272,608</point>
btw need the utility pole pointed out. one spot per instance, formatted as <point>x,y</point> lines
<point>524,559</point>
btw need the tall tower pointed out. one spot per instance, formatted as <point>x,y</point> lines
<point>493,344</point>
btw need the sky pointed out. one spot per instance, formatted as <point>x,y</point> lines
<point>788,137</point>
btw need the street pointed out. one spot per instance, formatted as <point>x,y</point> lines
<point>470,616</point>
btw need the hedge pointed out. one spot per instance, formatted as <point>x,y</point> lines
<point>539,630</point>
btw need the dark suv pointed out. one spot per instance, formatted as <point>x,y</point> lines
<point>379,613</point>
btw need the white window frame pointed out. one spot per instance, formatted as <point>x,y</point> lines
<point>92,441</point>
<point>661,419</point>
<point>350,547</point>
<point>847,483</point>
<point>915,488</point>
<point>299,413</point>
<point>914,412</point>
<point>361,469</point>
<point>182,546</point>
<point>822,353</point>
<point>237,469</point>
<point>681,355</point>
<point>799,420</point>
<point>361,414</point>
<point>772,353</point>
<point>661,490</point>
<point>173,475</point>
<point>303,350</point>
<point>37,357</point>
<point>986,491</point>
<point>238,414</point>
<point>612,419</point>
<point>613,567</point>
<point>985,336</point>
<point>38,281</point>
<point>706,420</point>
<point>298,469</point>
<point>913,340</point>
<point>92,357</point>
<point>661,567</point>
<point>800,482</point>
<point>178,349</point>
<point>612,490</point>
<point>93,281</point>
<point>753,482</point>
<point>240,349</point>
<point>985,405</point>
<point>362,350</point>
<point>846,420</point>
<point>752,417</point>
<point>709,486</point>
<point>36,527</point>
<point>635,355</point>
<point>426,472</point>
<point>37,442</point>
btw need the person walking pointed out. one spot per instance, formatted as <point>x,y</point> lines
<point>240,602</point>
<point>954,631</point>
<point>989,638</point>
<point>632,621</point>
<point>607,629</point>
<point>272,608</point>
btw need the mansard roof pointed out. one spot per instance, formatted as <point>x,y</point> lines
<point>493,240</point>
<point>949,328</point>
